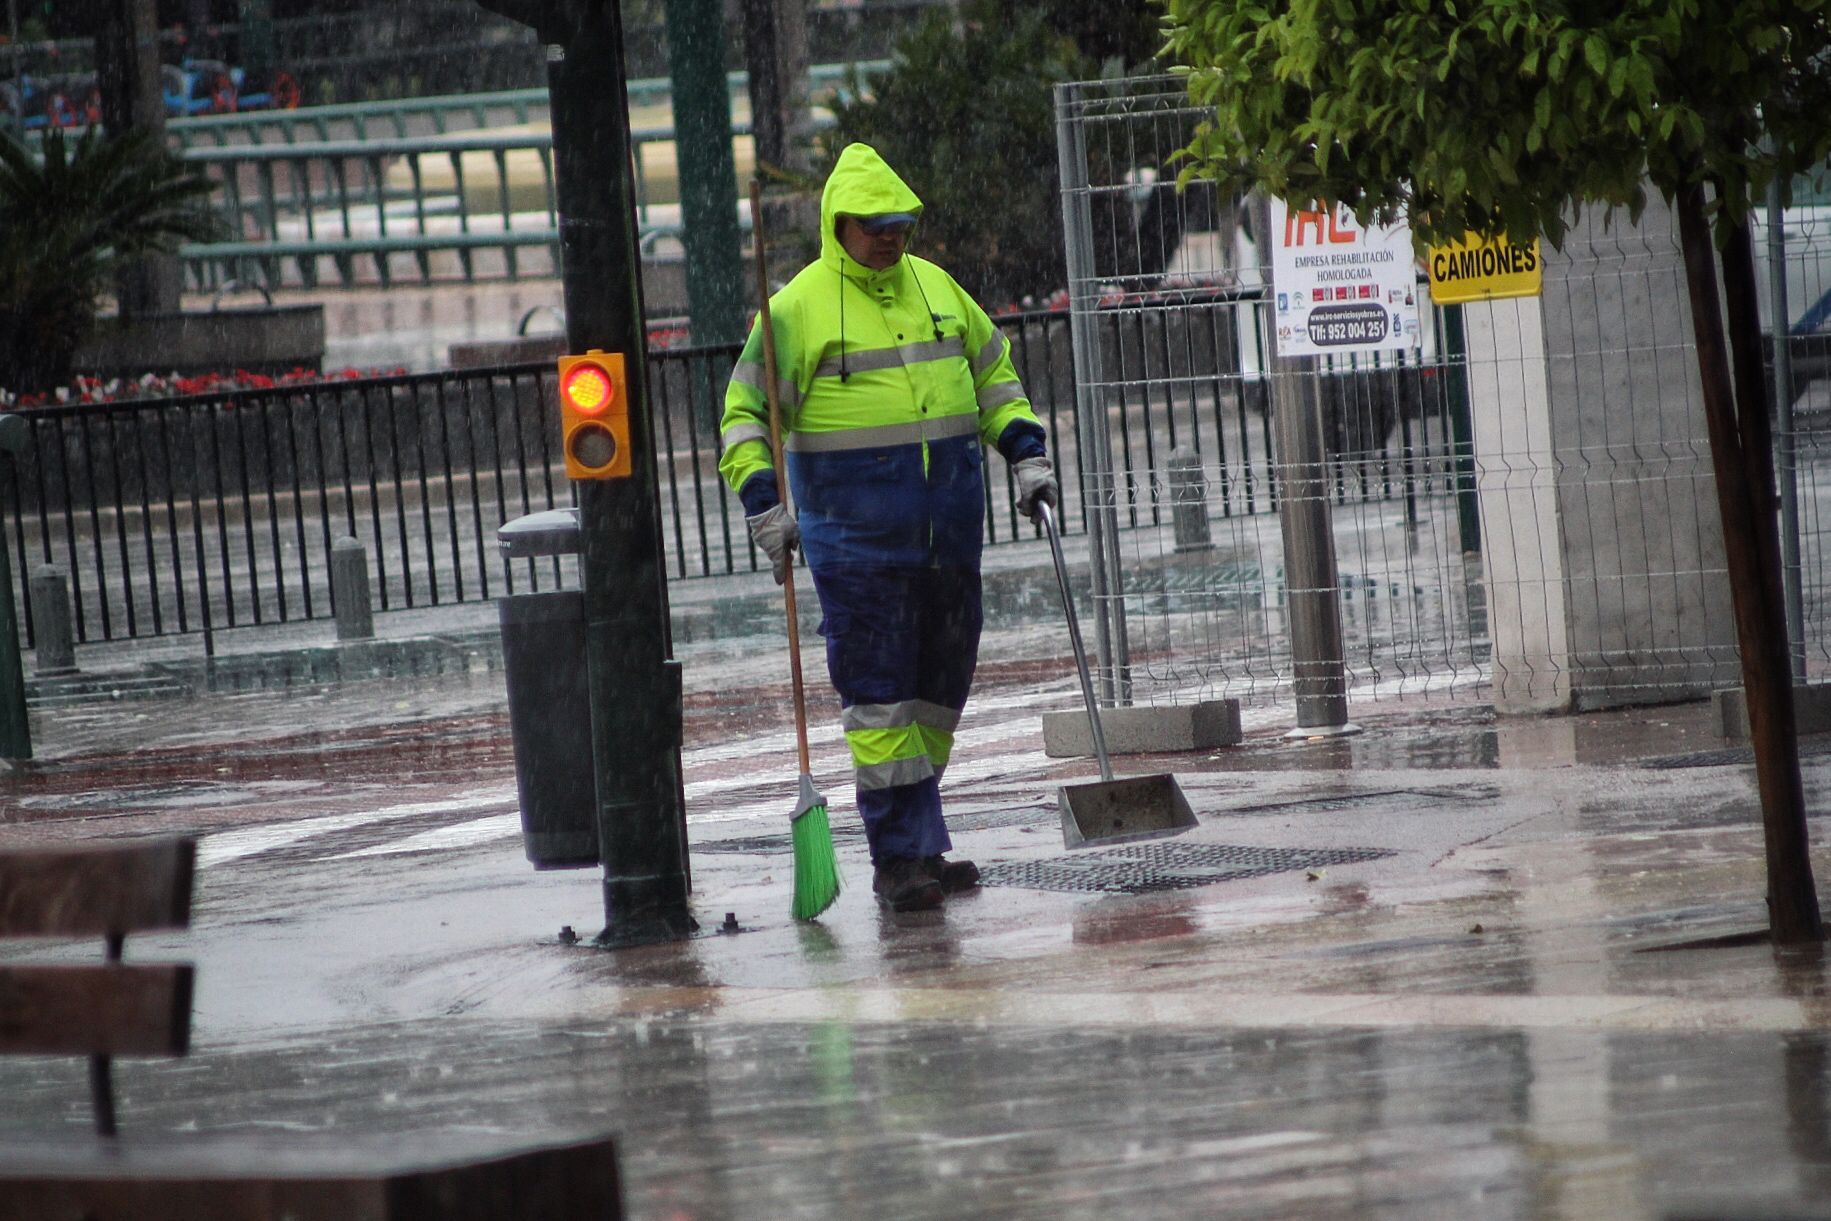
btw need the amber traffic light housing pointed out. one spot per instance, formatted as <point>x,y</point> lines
<point>594,416</point>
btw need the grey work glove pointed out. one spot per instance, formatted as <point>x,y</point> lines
<point>775,531</point>
<point>1036,485</point>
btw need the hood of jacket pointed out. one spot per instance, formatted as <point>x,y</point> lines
<point>861,184</point>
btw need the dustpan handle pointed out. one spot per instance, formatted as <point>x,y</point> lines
<point>1074,635</point>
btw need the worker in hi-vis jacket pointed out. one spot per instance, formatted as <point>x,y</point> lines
<point>890,377</point>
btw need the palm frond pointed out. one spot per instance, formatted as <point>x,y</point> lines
<point>71,214</point>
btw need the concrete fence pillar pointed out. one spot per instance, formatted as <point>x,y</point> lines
<point>350,595</point>
<point>1607,580</point>
<point>53,621</point>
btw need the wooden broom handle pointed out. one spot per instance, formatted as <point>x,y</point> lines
<point>775,452</point>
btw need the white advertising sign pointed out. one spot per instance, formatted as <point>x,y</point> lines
<point>1339,287</point>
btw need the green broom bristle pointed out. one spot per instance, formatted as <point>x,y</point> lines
<point>816,864</point>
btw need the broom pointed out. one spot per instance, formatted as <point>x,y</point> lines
<point>816,865</point>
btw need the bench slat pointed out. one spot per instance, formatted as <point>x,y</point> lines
<point>97,888</point>
<point>111,1009</point>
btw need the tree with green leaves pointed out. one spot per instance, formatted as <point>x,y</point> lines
<point>1123,35</point>
<point>70,217</point>
<point>1502,116</point>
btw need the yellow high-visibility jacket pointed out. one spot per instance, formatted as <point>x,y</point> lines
<point>888,381</point>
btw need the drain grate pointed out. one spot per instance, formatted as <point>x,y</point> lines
<point>1703,758</point>
<point>1239,856</point>
<point>1145,868</point>
<point>1808,747</point>
<point>1384,798</point>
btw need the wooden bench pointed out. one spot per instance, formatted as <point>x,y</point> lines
<point>114,1008</point>
<point>111,1008</point>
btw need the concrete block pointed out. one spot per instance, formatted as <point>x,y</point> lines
<point>351,598</point>
<point>1811,710</point>
<point>53,621</point>
<point>1140,731</point>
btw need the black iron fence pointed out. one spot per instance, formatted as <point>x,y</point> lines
<point>201,514</point>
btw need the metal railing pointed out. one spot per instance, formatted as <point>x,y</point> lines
<point>398,118</point>
<point>293,207</point>
<point>296,207</point>
<point>208,513</point>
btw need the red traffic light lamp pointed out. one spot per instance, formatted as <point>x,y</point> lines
<point>594,416</point>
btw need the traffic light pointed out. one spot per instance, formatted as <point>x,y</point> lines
<point>594,416</point>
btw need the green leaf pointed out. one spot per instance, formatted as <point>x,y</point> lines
<point>1595,50</point>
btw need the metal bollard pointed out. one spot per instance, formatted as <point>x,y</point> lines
<point>1189,500</point>
<point>53,621</point>
<point>350,597</point>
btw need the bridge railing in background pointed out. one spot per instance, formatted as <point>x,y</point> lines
<point>372,211</point>
<point>357,204</point>
<point>398,118</point>
<point>468,197</point>
<point>402,118</point>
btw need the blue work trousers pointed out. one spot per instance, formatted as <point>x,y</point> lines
<point>902,643</point>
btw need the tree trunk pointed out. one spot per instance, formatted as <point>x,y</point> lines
<point>1740,455</point>
<point>127,75</point>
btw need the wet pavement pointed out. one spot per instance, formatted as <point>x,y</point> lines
<point>1425,971</point>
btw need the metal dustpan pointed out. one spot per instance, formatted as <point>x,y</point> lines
<point>1109,811</point>
<point>1106,810</point>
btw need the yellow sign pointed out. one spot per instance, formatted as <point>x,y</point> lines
<point>1477,269</point>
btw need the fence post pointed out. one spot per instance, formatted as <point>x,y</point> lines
<point>1319,677</point>
<point>350,598</point>
<point>1780,328</point>
<point>1090,404</point>
<point>1462,431</point>
<point>54,629</point>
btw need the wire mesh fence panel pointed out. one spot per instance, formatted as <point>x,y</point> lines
<point>1168,291</point>
<point>1792,247</point>
<point>1604,547</point>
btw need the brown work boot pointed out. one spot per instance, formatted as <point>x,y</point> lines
<point>954,876</point>
<point>903,885</point>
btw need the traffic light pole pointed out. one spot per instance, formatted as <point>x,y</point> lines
<point>633,683</point>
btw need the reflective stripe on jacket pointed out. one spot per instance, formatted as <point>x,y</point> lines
<point>888,382</point>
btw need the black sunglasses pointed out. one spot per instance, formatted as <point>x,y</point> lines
<point>877,228</point>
